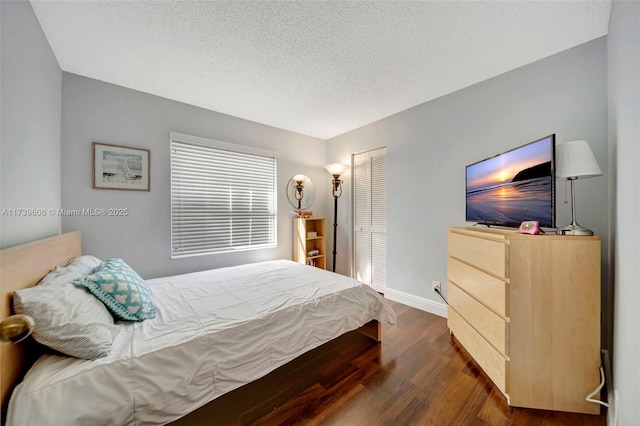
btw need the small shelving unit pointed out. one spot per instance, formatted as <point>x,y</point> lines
<point>309,235</point>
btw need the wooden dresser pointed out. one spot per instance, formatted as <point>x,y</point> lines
<point>527,309</point>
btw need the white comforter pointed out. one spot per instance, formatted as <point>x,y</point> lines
<point>215,331</point>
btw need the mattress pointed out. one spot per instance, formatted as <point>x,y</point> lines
<point>214,332</point>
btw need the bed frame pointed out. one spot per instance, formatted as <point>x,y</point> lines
<point>20,267</point>
<point>23,266</point>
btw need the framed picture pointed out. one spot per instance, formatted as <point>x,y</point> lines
<point>121,167</point>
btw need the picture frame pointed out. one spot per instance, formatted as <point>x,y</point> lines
<point>121,167</point>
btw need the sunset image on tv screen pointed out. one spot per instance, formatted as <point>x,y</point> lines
<point>513,187</point>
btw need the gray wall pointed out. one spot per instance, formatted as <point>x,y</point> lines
<point>97,111</point>
<point>623,45</point>
<point>429,145</point>
<point>31,109</point>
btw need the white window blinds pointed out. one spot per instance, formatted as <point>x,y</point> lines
<point>223,197</point>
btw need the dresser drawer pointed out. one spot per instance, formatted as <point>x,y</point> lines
<point>490,360</point>
<point>489,325</point>
<point>488,289</point>
<point>485,254</point>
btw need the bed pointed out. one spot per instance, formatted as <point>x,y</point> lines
<point>214,332</point>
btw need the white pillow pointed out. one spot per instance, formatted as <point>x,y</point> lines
<point>84,265</point>
<point>68,318</point>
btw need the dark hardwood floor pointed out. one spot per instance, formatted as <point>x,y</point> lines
<point>418,375</point>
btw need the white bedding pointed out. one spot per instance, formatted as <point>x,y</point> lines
<point>214,332</point>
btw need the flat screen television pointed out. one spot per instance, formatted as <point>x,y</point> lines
<point>514,186</point>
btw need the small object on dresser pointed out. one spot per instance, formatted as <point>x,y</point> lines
<point>529,227</point>
<point>313,253</point>
<point>312,234</point>
<point>304,214</point>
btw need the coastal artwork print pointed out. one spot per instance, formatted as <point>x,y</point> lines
<point>512,187</point>
<point>121,167</point>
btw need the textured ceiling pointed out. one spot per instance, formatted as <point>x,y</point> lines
<point>319,68</point>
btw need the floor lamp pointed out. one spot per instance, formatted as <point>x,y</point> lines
<point>335,170</point>
<point>575,161</point>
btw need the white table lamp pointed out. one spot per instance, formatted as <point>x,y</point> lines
<point>574,160</point>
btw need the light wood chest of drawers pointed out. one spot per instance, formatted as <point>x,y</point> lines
<point>527,309</point>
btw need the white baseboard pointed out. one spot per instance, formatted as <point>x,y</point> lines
<point>421,303</point>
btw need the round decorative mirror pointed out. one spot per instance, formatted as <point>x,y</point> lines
<point>300,192</point>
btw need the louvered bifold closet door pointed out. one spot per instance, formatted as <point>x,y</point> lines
<point>361,217</point>
<point>370,217</point>
<point>221,200</point>
<point>379,218</point>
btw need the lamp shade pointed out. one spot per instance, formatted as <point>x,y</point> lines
<point>576,160</point>
<point>336,169</point>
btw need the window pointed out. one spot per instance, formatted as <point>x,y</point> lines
<point>223,197</point>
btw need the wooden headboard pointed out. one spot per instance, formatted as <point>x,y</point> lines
<point>20,267</point>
